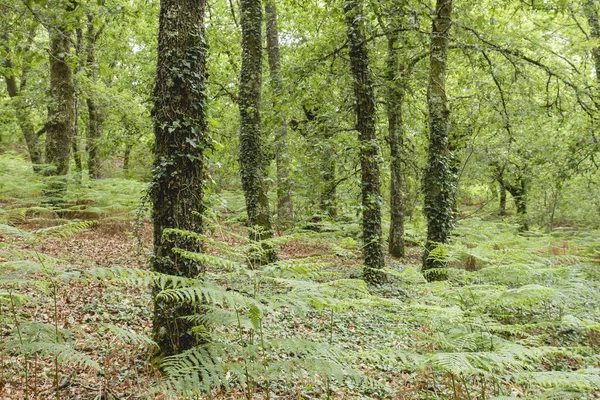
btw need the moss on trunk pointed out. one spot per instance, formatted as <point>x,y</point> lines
<point>365,125</point>
<point>95,110</point>
<point>60,127</point>
<point>180,137</point>
<point>439,184</point>
<point>252,158</point>
<point>285,205</point>
<point>395,97</point>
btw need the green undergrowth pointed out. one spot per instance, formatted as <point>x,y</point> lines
<point>21,195</point>
<point>518,317</point>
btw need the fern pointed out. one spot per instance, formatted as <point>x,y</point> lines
<point>64,231</point>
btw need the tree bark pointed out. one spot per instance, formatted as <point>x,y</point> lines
<point>439,180</point>
<point>395,98</point>
<point>95,111</point>
<point>285,205</point>
<point>252,158</point>
<point>365,116</point>
<point>61,115</point>
<point>179,129</point>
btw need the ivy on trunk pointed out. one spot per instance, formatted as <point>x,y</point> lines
<point>180,138</point>
<point>439,185</point>
<point>285,205</point>
<point>365,125</point>
<point>252,158</point>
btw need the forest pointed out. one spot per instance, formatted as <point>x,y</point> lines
<point>283,199</point>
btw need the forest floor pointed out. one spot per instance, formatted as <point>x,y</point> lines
<point>519,316</point>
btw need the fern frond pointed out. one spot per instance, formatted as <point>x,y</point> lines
<point>210,260</point>
<point>7,230</point>
<point>64,231</point>
<point>588,379</point>
<point>128,336</point>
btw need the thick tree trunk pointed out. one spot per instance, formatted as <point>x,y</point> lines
<point>95,111</point>
<point>395,97</point>
<point>252,159</point>
<point>365,116</point>
<point>179,128</point>
<point>439,180</point>
<point>61,115</point>
<point>519,194</point>
<point>285,206</point>
<point>15,92</point>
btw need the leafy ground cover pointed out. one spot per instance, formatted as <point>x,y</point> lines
<point>519,316</point>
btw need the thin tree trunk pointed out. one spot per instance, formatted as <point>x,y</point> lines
<point>76,142</point>
<point>327,169</point>
<point>127,157</point>
<point>16,93</point>
<point>285,206</point>
<point>95,111</point>
<point>179,128</point>
<point>395,97</point>
<point>61,115</point>
<point>502,206</point>
<point>439,181</point>
<point>252,159</point>
<point>328,201</point>
<point>76,145</point>
<point>591,12</point>
<point>365,117</point>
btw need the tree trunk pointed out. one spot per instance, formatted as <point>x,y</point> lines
<point>252,159</point>
<point>75,144</point>
<point>499,171</point>
<point>502,206</point>
<point>439,182</point>
<point>95,112</point>
<point>519,194</point>
<point>328,201</point>
<point>285,206</point>
<point>395,97</point>
<point>327,195</point>
<point>179,129</point>
<point>591,13</point>
<point>15,92</point>
<point>75,141</point>
<point>61,115</point>
<point>365,116</point>
<point>127,157</point>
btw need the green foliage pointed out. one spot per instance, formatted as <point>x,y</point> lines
<point>506,322</point>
